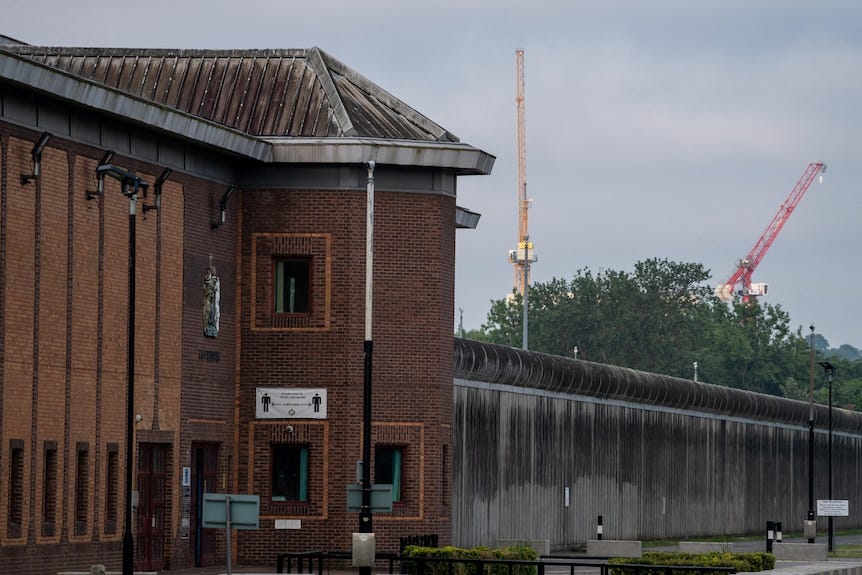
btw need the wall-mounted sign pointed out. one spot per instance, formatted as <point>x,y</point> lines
<point>288,524</point>
<point>833,508</point>
<point>290,403</point>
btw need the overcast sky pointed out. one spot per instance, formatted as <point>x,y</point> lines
<point>668,129</point>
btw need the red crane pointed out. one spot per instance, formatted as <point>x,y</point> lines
<point>747,265</point>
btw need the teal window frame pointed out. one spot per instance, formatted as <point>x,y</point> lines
<point>292,285</point>
<point>289,477</point>
<point>388,464</point>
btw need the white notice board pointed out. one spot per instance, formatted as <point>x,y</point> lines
<point>290,403</point>
<point>833,507</point>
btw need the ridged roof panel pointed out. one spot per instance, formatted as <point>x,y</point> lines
<point>273,93</point>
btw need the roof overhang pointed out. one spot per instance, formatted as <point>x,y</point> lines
<point>463,158</point>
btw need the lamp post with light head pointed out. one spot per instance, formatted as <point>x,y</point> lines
<point>130,185</point>
<point>830,371</point>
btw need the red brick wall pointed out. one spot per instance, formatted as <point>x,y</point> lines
<point>207,403</point>
<point>412,361</point>
<point>63,326</point>
<point>64,300</point>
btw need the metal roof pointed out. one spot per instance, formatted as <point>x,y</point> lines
<point>273,93</point>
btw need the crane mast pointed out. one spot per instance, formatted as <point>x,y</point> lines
<point>523,256</point>
<point>746,266</point>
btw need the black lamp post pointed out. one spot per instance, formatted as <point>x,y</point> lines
<point>830,371</point>
<point>811,515</point>
<point>130,185</point>
<point>365,518</point>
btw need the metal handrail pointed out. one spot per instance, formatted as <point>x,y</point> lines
<point>603,564</point>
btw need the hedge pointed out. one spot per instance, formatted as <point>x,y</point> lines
<point>742,562</point>
<point>521,553</point>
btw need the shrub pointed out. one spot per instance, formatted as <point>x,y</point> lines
<point>742,562</point>
<point>472,556</point>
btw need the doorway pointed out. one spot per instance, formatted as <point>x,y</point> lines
<point>204,478</point>
<point>152,507</point>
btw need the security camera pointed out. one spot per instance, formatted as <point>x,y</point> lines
<point>139,418</point>
<point>290,429</point>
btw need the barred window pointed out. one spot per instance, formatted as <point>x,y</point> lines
<point>112,483</point>
<point>15,508</point>
<point>82,487</point>
<point>49,488</point>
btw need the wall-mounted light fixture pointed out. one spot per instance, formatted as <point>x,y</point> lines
<point>37,158</point>
<point>222,206</point>
<point>157,189</point>
<point>100,176</point>
<point>131,184</point>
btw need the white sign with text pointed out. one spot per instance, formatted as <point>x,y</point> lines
<point>290,403</point>
<point>833,507</point>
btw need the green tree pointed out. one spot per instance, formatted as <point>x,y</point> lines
<point>504,323</point>
<point>661,318</point>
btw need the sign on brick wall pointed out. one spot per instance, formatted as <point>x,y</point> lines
<point>290,403</point>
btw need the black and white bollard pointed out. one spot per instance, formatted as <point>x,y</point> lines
<point>778,535</point>
<point>770,526</point>
<point>599,529</point>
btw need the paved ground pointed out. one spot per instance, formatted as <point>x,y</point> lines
<point>831,567</point>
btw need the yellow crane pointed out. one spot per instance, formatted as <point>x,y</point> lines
<point>524,255</point>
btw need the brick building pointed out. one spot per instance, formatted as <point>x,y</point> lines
<point>246,175</point>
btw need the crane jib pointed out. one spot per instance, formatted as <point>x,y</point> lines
<point>745,268</point>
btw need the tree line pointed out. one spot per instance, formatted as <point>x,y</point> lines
<point>664,318</point>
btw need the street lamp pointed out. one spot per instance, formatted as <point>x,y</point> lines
<point>365,519</point>
<point>830,371</point>
<point>526,290</point>
<point>130,184</point>
<point>811,516</point>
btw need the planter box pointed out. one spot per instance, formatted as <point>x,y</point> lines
<point>613,548</point>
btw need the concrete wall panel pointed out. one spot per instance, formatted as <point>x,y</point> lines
<point>656,457</point>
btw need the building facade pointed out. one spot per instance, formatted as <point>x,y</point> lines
<point>220,196</point>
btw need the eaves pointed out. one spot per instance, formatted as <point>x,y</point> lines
<point>463,158</point>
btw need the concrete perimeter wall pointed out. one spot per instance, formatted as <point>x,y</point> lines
<point>657,457</point>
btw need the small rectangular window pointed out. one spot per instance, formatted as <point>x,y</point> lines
<point>387,469</point>
<point>290,473</point>
<point>112,481</point>
<point>49,489</point>
<point>82,487</point>
<point>15,508</point>
<point>292,285</point>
